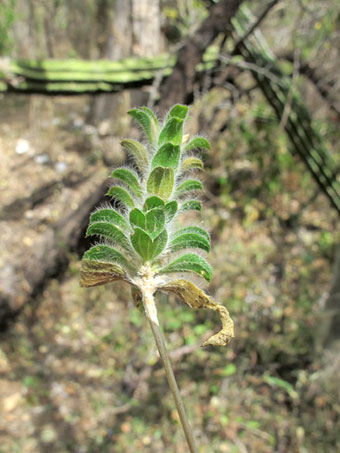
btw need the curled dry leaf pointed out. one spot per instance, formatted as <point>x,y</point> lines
<point>137,298</point>
<point>196,298</point>
<point>95,273</point>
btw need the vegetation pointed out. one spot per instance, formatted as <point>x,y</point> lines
<point>79,370</point>
<point>144,244</point>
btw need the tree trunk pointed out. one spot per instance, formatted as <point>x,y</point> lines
<point>179,87</point>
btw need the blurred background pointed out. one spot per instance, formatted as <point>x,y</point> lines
<point>79,370</point>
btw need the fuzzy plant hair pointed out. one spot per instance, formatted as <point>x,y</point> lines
<point>140,237</point>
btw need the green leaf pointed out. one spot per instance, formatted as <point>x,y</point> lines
<point>138,151</point>
<point>145,122</point>
<point>192,230</point>
<point>188,186</point>
<point>171,208</point>
<point>196,298</point>
<point>161,182</point>
<point>109,231</point>
<point>189,263</point>
<point>167,156</point>
<point>142,243</point>
<point>192,163</point>
<point>160,243</point>
<point>191,205</point>
<point>137,218</point>
<point>151,114</point>
<point>228,370</point>
<point>106,253</point>
<point>145,246</point>
<point>121,195</point>
<point>94,273</point>
<point>153,202</point>
<point>109,215</point>
<point>129,178</point>
<point>171,132</point>
<point>154,222</point>
<point>197,142</point>
<point>190,240</point>
<point>178,111</point>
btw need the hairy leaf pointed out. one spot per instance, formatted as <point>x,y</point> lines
<point>161,182</point>
<point>109,215</point>
<point>108,254</point>
<point>153,202</point>
<point>167,156</point>
<point>128,178</point>
<point>188,186</point>
<point>145,246</point>
<point>197,142</point>
<point>109,231</point>
<point>192,163</point>
<point>138,151</point>
<point>191,205</point>
<point>145,122</point>
<point>196,298</point>
<point>151,114</point>
<point>190,240</point>
<point>160,243</point>
<point>121,195</point>
<point>170,208</point>
<point>137,218</point>
<point>154,222</point>
<point>171,132</point>
<point>95,273</point>
<point>189,263</point>
<point>178,111</point>
<point>192,229</point>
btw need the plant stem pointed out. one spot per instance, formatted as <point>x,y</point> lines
<point>151,314</point>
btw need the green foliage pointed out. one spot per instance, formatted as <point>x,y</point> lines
<point>189,263</point>
<point>141,233</point>
<point>145,222</point>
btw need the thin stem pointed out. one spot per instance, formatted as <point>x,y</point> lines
<point>151,313</point>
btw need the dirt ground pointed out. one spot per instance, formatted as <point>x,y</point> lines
<point>78,368</point>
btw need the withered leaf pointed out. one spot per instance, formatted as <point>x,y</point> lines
<point>95,273</point>
<point>196,298</point>
<point>137,298</point>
